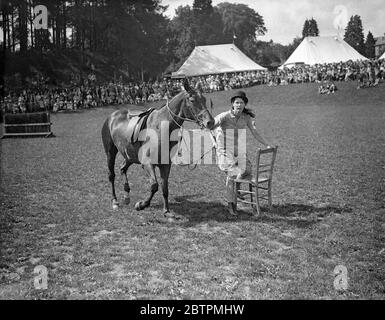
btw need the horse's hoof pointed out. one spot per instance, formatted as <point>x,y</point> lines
<point>115,204</point>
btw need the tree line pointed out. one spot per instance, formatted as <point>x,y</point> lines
<point>136,38</point>
<point>354,35</point>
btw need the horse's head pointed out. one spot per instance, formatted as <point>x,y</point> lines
<point>195,107</point>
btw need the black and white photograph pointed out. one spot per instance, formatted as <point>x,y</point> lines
<point>192,150</point>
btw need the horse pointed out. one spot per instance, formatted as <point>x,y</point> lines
<point>126,132</point>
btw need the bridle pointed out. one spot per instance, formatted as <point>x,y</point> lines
<point>197,117</point>
<point>197,120</point>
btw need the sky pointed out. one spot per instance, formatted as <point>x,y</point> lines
<point>284,19</point>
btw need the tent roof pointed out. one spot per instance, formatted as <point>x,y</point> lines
<point>383,56</point>
<point>214,59</point>
<point>318,50</point>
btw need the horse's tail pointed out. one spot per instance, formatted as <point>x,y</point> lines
<point>108,143</point>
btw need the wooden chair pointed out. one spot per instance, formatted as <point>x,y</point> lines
<point>259,187</point>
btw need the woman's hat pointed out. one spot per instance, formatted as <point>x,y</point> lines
<point>240,94</point>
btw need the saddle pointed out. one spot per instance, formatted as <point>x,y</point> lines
<point>137,123</point>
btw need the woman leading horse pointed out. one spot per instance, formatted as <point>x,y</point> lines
<point>123,132</point>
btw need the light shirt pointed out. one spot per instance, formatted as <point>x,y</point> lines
<point>229,142</point>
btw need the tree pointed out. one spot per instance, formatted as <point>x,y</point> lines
<point>305,29</point>
<point>207,23</point>
<point>155,38</point>
<point>269,53</point>
<point>354,34</point>
<point>203,6</point>
<point>292,46</point>
<point>240,23</point>
<point>4,11</point>
<point>194,26</point>
<point>183,34</point>
<point>23,26</point>
<point>310,28</point>
<point>128,36</point>
<point>313,28</point>
<point>369,46</point>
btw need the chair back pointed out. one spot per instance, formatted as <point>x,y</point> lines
<point>265,164</point>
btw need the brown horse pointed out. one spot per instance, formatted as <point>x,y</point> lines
<point>127,133</point>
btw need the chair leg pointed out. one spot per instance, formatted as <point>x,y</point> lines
<point>255,206</point>
<point>269,195</point>
<point>232,208</point>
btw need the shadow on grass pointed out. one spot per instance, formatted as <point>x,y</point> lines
<point>200,211</point>
<point>298,215</point>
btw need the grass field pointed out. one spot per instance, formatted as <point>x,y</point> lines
<point>328,195</point>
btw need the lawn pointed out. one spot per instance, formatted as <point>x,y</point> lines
<point>328,196</point>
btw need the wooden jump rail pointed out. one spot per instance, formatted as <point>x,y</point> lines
<point>27,125</point>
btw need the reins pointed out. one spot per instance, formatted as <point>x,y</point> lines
<point>197,121</point>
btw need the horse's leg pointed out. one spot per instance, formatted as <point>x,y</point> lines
<point>111,152</point>
<point>164,174</point>
<point>123,170</point>
<point>111,156</point>
<point>150,170</point>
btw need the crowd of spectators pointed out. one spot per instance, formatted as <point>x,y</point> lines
<point>366,73</point>
<point>87,96</point>
<point>90,94</point>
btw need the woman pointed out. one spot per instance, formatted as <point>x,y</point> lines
<point>231,138</point>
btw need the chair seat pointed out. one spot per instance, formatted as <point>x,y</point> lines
<point>252,181</point>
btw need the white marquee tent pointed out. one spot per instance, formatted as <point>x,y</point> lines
<point>222,58</point>
<point>383,56</point>
<point>318,50</point>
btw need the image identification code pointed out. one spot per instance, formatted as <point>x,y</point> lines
<point>193,309</point>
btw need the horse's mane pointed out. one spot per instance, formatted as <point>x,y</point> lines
<point>161,103</point>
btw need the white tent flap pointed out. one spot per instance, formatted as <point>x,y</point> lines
<point>223,58</point>
<point>319,50</point>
